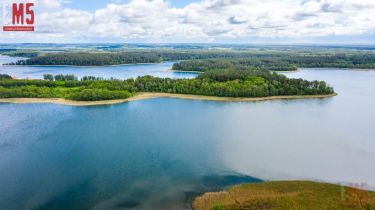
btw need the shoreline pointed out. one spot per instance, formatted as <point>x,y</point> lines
<point>142,96</point>
<point>182,71</point>
<point>114,65</point>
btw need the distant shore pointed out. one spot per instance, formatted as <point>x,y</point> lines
<point>66,65</point>
<point>142,96</point>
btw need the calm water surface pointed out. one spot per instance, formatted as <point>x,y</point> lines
<point>119,72</point>
<point>160,153</point>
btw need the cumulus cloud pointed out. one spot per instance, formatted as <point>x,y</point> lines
<point>208,20</point>
<point>49,4</point>
<point>65,21</point>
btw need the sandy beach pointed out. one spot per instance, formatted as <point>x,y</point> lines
<point>142,96</point>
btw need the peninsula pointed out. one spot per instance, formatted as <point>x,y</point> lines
<point>220,85</point>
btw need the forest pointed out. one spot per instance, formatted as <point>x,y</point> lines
<point>280,63</point>
<point>272,64</point>
<point>90,59</point>
<point>99,58</point>
<point>225,83</point>
<point>203,60</point>
<point>19,53</point>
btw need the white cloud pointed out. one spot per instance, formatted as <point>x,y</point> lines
<point>49,4</point>
<point>66,21</point>
<point>208,20</point>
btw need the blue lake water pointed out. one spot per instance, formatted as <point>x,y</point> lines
<point>160,153</point>
<point>119,72</point>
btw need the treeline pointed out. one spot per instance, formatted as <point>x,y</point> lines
<point>59,77</point>
<point>228,83</point>
<point>204,60</point>
<point>126,57</point>
<point>68,89</point>
<point>272,64</point>
<point>5,76</point>
<point>286,62</point>
<point>90,59</point>
<point>19,53</point>
<point>69,77</point>
<point>359,60</point>
<point>256,85</point>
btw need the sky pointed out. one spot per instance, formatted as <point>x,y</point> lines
<point>199,21</point>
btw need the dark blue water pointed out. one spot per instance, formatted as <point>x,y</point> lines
<point>145,154</point>
<point>160,153</point>
<point>119,72</point>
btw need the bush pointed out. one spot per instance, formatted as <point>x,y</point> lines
<point>100,94</point>
<point>218,207</point>
<point>48,77</point>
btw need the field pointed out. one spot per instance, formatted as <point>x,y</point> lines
<point>292,195</point>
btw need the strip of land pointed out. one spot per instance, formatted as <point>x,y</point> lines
<point>204,60</point>
<point>142,96</point>
<point>291,195</point>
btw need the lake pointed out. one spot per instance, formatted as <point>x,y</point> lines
<point>160,153</point>
<point>119,72</point>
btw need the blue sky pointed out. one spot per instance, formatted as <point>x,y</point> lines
<point>206,21</point>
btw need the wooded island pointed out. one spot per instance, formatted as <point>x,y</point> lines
<point>228,83</point>
<point>223,73</point>
<point>203,60</point>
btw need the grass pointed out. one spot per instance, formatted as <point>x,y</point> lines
<point>291,195</point>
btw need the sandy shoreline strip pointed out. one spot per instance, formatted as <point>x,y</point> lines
<point>142,96</point>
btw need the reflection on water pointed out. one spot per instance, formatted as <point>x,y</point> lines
<point>160,153</point>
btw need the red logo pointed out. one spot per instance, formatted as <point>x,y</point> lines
<point>21,17</point>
